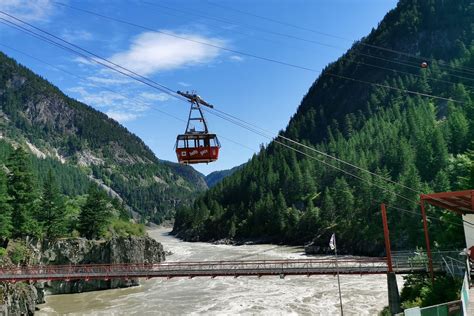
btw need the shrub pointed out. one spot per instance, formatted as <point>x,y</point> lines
<point>124,228</point>
<point>18,253</point>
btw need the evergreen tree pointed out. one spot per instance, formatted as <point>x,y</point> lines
<point>23,196</point>
<point>52,210</point>
<point>400,136</point>
<point>5,209</point>
<point>93,218</point>
<point>328,206</point>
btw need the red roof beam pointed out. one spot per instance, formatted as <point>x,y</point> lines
<point>461,202</point>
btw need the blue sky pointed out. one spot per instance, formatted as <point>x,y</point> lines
<point>260,92</point>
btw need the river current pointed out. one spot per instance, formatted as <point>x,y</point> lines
<point>315,295</point>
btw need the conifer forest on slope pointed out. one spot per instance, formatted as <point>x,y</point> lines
<point>422,143</point>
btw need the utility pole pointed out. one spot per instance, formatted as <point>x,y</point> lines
<point>332,245</point>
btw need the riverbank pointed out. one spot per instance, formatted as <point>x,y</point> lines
<point>362,295</point>
<point>21,298</point>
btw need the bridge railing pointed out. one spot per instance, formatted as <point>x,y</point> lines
<point>209,268</point>
<point>406,262</point>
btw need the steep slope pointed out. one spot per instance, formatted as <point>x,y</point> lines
<point>215,177</point>
<point>414,140</point>
<point>63,132</point>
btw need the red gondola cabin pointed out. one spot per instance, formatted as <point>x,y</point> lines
<point>196,146</point>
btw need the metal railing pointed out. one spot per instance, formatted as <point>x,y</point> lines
<point>403,263</point>
<point>213,269</point>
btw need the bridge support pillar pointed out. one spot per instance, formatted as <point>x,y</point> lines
<point>394,303</point>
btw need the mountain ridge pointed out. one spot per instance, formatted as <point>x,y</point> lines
<point>37,115</point>
<point>417,141</point>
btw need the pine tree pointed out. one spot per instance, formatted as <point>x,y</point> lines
<point>94,214</point>
<point>328,206</point>
<point>23,196</point>
<point>52,210</point>
<point>5,209</point>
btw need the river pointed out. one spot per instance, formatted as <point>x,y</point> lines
<point>316,295</point>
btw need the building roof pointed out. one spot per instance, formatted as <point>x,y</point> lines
<point>461,202</point>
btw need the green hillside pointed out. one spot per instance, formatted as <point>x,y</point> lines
<point>215,177</point>
<point>80,144</point>
<point>420,142</point>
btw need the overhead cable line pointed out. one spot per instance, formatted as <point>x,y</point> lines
<point>193,13</point>
<point>278,142</point>
<point>190,39</point>
<point>467,69</point>
<point>94,60</point>
<point>88,80</point>
<point>411,74</point>
<point>317,151</point>
<point>147,82</point>
<point>182,12</point>
<point>115,92</point>
<point>396,88</point>
<point>430,217</point>
<point>394,61</point>
<point>255,56</point>
<point>385,189</point>
<point>179,119</point>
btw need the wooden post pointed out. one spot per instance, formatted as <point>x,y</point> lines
<point>427,240</point>
<point>387,237</point>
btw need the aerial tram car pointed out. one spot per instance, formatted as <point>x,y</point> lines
<point>196,145</point>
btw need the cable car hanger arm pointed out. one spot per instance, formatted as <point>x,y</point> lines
<point>194,98</point>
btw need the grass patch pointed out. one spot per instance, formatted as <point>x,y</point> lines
<point>124,228</point>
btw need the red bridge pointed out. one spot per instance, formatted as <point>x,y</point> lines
<point>308,267</point>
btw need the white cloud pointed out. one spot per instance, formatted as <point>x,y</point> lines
<point>155,96</point>
<point>236,58</point>
<point>184,84</point>
<point>151,52</point>
<point>30,10</point>
<point>108,81</point>
<point>85,61</point>
<point>76,35</point>
<point>98,99</point>
<point>121,107</point>
<point>122,116</point>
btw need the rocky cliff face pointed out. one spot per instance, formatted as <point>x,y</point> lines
<point>21,298</point>
<point>17,299</point>
<point>83,251</point>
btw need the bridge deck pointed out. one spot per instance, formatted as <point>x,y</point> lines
<point>209,269</point>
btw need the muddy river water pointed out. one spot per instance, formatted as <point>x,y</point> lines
<point>316,295</point>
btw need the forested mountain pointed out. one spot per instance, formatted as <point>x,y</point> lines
<point>418,141</point>
<point>81,144</point>
<point>215,177</point>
